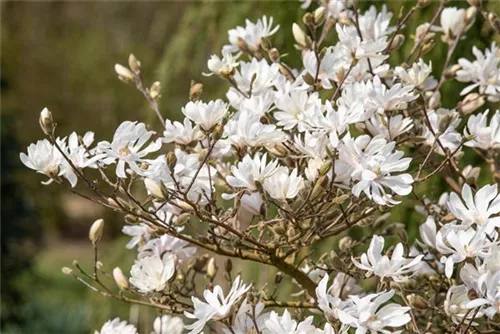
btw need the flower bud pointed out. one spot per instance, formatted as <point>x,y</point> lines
<point>278,278</point>
<point>95,232</point>
<point>218,132</point>
<point>195,91</point>
<point>396,43</point>
<point>471,103</point>
<point>228,265</point>
<point>470,16</point>
<point>345,244</point>
<point>171,160</point>
<point>265,44</point>
<point>67,271</point>
<point>46,122</point>
<point>154,91</point>
<point>242,45</point>
<point>494,21</point>
<point>319,15</point>
<point>423,3</point>
<point>120,279</point>
<point>475,3</point>
<point>134,64</point>
<point>211,268</point>
<point>446,122</point>
<point>340,199</point>
<point>124,73</point>
<point>274,55</point>
<point>299,35</point>
<point>99,265</point>
<point>435,100</point>
<point>155,188</point>
<point>325,168</point>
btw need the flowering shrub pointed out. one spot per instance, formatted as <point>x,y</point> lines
<point>294,157</point>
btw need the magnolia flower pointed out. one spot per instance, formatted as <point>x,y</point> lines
<point>246,318</point>
<point>167,244</point>
<point>167,324</point>
<point>296,109</point>
<point>127,147</point>
<point>418,75</point>
<point>389,127</point>
<point>483,136</point>
<point>222,67</point>
<point>282,185</point>
<point>478,209</point>
<point>487,288</point>
<point>247,130</point>
<point>216,306</point>
<point>449,138</point>
<point>452,22</point>
<point>251,34</point>
<point>255,77</point>
<point>139,233</point>
<point>458,305</point>
<point>397,267</point>
<point>370,162</point>
<point>365,315</point>
<point>328,68</point>
<point>181,133</point>
<point>327,301</point>
<point>459,244</point>
<point>382,99</point>
<point>354,47</point>
<point>428,232</point>
<point>206,115</point>
<point>116,326</point>
<point>285,324</point>
<point>484,72</point>
<point>46,159</point>
<point>152,273</point>
<point>250,172</point>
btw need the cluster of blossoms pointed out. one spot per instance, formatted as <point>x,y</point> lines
<point>294,156</point>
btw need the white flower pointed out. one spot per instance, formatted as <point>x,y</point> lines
<point>167,244</point>
<point>250,171</point>
<point>181,133</point>
<point>452,22</point>
<point>254,78</point>
<point>152,273</point>
<point>243,321</point>
<point>206,115</point>
<point>167,324</point>
<point>484,136</point>
<point>458,305</point>
<point>351,44</point>
<point>428,232</point>
<point>328,300</point>
<point>381,99</point>
<point>459,244</point>
<point>328,68</point>
<point>478,209</point>
<point>127,147</point>
<point>389,127</point>
<point>484,72</point>
<point>286,325</point>
<point>247,130</point>
<point>487,288</point>
<point>365,315</point>
<point>370,163</point>
<point>251,34</point>
<point>450,138</point>
<point>116,326</point>
<point>216,306</point>
<point>375,25</point>
<point>46,159</point>
<point>252,203</point>
<point>222,67</point>
<point>296,109</point>
<point>282,185</point>
<point>397,267</point>
<point>417,75</point>
<point>139,233</point>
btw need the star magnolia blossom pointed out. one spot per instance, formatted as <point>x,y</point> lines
<point>127,147</point>
<point>366,315</point>
<point>216,306</point>
<point>206,115</point>
<point>251,34</point>
<point>168,325</point>
<point>116,326</point>
<point>152,273</point>
<point>397,267</point>
<point>484,136</point>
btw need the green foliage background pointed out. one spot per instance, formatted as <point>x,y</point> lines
<point>61,55</point>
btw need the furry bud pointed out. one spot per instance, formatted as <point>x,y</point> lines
<point>120,279</point>
<point>124,74</point>
<point>134,64</point>
<point>95,232</point>
<point>46,122</point>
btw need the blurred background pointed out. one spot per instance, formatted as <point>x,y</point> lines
<point>60,55</point>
